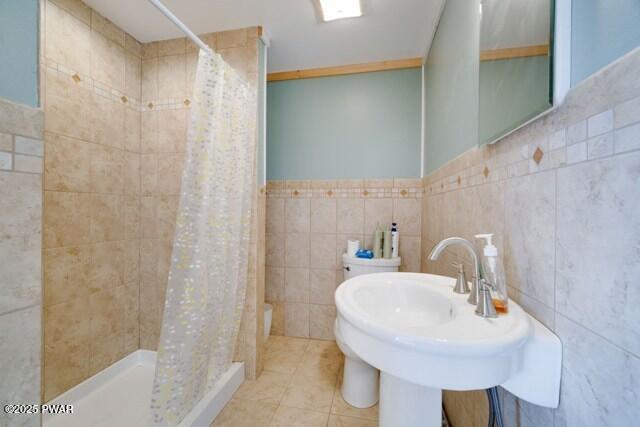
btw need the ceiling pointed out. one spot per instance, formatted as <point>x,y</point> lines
<point>390,29</point>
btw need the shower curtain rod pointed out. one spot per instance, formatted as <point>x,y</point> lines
<point>166,12</point>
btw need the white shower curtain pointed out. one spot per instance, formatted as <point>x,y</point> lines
<point>207,281</point>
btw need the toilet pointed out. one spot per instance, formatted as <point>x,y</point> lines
<point>360,380</point>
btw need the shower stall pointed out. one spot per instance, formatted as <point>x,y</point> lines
<point>140,216</point>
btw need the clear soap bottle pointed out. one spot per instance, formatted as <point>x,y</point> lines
<point>493,274</point>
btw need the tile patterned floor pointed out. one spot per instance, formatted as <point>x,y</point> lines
<point>299,387</point>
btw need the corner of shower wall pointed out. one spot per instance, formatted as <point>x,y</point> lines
<point>91,84</point>
<point>168,73</point>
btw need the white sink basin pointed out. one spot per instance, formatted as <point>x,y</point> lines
<point>424,338</point>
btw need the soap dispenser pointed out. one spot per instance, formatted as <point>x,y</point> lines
<point>493,274</point>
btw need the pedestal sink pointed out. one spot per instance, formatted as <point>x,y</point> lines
<point>425,338</point>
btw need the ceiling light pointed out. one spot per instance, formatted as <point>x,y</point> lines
<point>339,9</point>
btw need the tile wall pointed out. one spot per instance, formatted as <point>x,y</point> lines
<point>115,132</point>
<point>308,225</point>
<point>562,196</point>
<point>91,232</point>
<point>167,77</point>
<point>20,258</point>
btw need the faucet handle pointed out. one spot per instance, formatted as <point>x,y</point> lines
<point>461,286</point>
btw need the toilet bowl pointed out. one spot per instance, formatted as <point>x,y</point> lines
<point>268,316</point>
<point>360,380</point>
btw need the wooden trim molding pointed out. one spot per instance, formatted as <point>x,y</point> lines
<point>345,69</point>
<point>514,52</point>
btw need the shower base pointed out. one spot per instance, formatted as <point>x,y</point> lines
<point>120,396</point>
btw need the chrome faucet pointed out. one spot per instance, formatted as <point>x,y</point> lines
<point>479,289</point>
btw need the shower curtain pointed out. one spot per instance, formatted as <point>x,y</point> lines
<point>207,280</point>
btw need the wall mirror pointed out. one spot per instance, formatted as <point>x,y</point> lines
<point>516,63</point>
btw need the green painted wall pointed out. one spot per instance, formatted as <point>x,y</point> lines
<point>601,32</point>
<point>505,102</point>
<point>19,51</point>
<point>451,85</point>
<point>344,127</point>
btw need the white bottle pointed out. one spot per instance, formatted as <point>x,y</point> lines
<point>493,273</point>
<point>395,240</point>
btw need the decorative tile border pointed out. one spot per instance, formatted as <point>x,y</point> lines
<point>115,95</point>
<point>355,188</point>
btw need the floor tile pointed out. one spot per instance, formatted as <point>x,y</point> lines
<point>268,388</point>
<point>244,413</point>
<point>288,417</point>
<point>339,421</point>
<point>304,393</point>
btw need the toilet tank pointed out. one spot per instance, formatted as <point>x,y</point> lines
<point>354,266</point>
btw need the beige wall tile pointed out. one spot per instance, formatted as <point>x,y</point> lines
<point>6,142</point>
<point>132,45</point>
<point>76,8</point>
<point>132,219</point>
<point>322,251</point>
<point>322,286</point>
<point>148,217</point>
<point>67,164</point>
<point>169,175</point>
<point>233,38</point>
<point>350,216</point>
<point>149,128</point>
<point>166,211</point>
<point>297,215</point>
<point>131,173</point>
<point>150,50</point>
<point>108,168</point>
<point>410,253</point>
<point>296,320</point>
<point>108,122</point>
<point>30,164</point>
<point>107,266</point>
<point>107,61</point>
<point>149,174</point>
<point>107,217</point>
<point>323,215</point>
<point>66,341</point>
<point>408,213</point>
<point>172,131</point>
<point>68,39</point>
<point>172,47</point>
<point>275,221</point>
<point>377,212</point>
<point>274,284</point>
<point>297,250</point>
<point>20,275</point>
<point>296,284</point>
<point>172,77</point>
<point>66,274</point>
<point>66,219</point>
<point>277,321</point>
<point>321,320</point>
<point>132,131</point>
<point>149,79</point>
<point>132,75</point>
<point>67,111</point>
